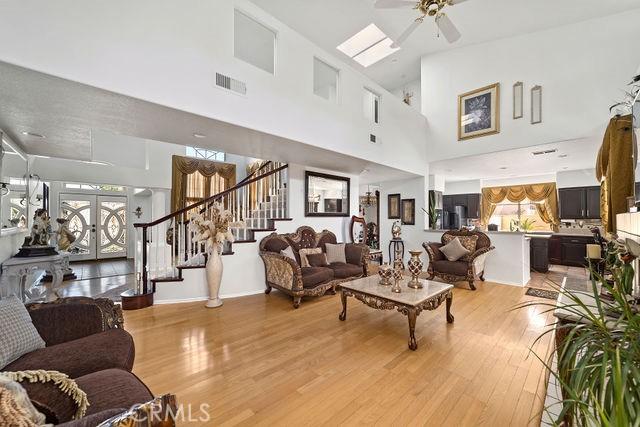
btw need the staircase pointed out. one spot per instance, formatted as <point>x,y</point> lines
<point>165,248</point>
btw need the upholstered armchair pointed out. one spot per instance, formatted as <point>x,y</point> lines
<point>287,275</point>
<point>465,269</point>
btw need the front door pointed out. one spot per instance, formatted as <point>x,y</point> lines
<point>99,224</point>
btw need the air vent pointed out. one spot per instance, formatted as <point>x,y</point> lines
<point>228,83</point>
<point>540,153</point>
<point>372,138</point>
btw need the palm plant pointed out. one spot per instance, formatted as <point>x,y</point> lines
<point>598,366</point>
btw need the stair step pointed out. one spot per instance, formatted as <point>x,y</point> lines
<point>245,241</point>
<point>167,279</point>
<point>262,229</point>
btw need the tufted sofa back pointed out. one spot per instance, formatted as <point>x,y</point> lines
<point>483,240</point>
<point>304,237</point>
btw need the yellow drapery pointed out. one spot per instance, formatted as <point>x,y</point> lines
<point>544,195</point>
<point>615,168</point>
<point>196,179</point>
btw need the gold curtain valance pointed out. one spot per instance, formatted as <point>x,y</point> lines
<point>544,194</point>
<point>182,167</point>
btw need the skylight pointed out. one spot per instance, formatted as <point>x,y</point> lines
<point>368,46</point>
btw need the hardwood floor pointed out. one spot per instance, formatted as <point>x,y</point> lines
<point>257,361</point>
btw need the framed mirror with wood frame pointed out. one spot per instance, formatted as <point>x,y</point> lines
<point>326,195</point>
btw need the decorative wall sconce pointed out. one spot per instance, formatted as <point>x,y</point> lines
<point>138,212</point>
<point>536,105</point>
<point>518,98</point>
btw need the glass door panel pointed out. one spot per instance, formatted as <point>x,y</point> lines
<point>80,211</point>
<point>112,227</point>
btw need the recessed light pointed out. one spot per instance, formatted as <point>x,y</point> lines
<point>394,60</point>
<point>448,170</point>
<point>32,134</point>
<point>504,167</point>
<point>199,135</point>
<point>562,156</point>
<point>565,168</point>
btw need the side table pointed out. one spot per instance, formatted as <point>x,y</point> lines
<point>18,270</point>
<point>396,245</point>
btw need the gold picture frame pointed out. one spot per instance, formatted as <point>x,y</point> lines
<point>479,112</point>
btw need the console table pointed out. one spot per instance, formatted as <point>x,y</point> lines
<point>15,271</point>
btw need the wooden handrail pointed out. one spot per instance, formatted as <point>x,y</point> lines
<point>242,183</point>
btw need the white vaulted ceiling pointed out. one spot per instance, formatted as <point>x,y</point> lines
<point>328,23</point>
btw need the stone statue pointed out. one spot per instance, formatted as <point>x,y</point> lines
<point>396,231</point>
<point>65,237</point>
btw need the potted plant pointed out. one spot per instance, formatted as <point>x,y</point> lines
<point>598,363</point>
<point>213,233</point>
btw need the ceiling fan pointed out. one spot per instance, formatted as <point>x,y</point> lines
<point>432,8</point>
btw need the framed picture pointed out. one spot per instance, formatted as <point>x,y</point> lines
<point>393,206</point>
<point>326,195</point>
<point>479,112</point>
<point>409,211</point>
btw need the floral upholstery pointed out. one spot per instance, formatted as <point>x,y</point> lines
<point>468,267</point>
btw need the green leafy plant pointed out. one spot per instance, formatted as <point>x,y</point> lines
<point>433,214</point>
<point>527,224</point>
<point>598,363</point>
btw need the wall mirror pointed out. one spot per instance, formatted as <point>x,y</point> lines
<point>536,105</point>
<point>518,95</point>
<point>15,208</point>
<point>326,195</point>
<point>358,230</point>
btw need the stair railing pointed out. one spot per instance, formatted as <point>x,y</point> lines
<point>166,245</point>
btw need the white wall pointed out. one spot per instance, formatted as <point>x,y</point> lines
<point>582,68</point>
<point>411,87</point>
<point>518,180</point>
<point>463,187</point>
<point>576,178</point>
<point>168,52</point>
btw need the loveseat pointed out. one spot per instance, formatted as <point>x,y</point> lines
<point>84,338</point>
<point>287,274</point>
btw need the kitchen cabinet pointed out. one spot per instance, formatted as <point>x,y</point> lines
<point>473,206</point>
<point>579,203</point>
<point>539,254</point>
<point>569,250</point>
<point>470,201</point>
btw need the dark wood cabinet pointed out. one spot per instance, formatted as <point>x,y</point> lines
<point>569,250</point>
<point>555,250</point>
<point>579,203</point>
<point>470,201</point>
<point>473,206</point>
<point>539,254</point>
<point>592,203</point>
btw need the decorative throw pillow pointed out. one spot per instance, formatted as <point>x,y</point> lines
<point>317,260</point>
<point>303,255</point>
<point>15,406</point>
<point>336,253</point>
<point>454,250</point>
<point>18,336</point>
<point>289,253</point>
<point>468,242</point>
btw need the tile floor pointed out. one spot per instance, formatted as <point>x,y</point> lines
<point>553,278</point>
<point>104,278</point>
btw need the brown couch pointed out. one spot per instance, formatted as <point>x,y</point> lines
<point>465,269</point>
<point>285,274</point>
<point>84,339</point>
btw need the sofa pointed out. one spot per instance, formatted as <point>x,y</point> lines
<point>465,269</point>
<point>84,338</point>
<point>287,275</point>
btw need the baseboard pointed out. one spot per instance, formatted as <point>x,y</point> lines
<point>223,296</point>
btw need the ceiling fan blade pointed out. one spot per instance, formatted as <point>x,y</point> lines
<point>405,35</point>
<point>394,4</point>
<point>448,30</point>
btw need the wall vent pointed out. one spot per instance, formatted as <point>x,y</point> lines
<point>540,153</point>
<point>229,83</point>
<point>372,138</point>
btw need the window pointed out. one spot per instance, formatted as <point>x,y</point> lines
<point>371,106</point>
<point>368,46</point>
<point>94,187</point>
<point>325,80</point>
<point>203,153</point>
<point>253,42</point>
<point>522,216</point>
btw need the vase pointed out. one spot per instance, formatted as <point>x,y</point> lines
<point>397,278</point>
<point>386,273</point>
<point>213,271</point>
<point>415,268</point>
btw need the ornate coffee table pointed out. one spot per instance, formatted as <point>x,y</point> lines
<point>410,302</point>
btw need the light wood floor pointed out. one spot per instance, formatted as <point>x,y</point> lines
<point>258,361</point>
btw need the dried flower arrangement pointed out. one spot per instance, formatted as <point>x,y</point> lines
<point>215,231</point>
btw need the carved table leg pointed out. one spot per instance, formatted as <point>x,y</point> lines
<point>450,317</point>
<point>343,298</point>
<point>412,315</point>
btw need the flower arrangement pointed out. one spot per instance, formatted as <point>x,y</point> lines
<point>215,231</point>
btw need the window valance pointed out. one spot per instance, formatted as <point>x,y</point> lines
<point>544,195</point>
<point>205,177</point>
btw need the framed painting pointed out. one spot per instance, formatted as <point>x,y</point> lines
<point>408,211</point>
<point>479,112</point>
<point>393,206</point>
